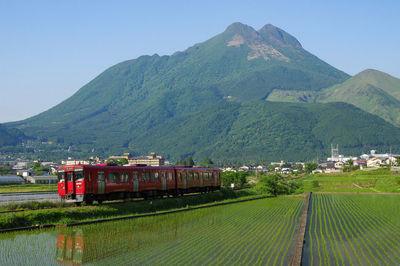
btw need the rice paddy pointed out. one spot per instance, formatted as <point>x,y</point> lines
<point>342,229</point>
<point>353,229</point>
<point>258,232</point>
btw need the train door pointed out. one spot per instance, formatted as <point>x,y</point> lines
<point>100,183</point>
<point>215,178</point>
<point>201,179</point>
<point>69,183</point>
<point>164,180</point>
<point>135,181</point>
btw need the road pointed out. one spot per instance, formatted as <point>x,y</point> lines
<point>6,198</point>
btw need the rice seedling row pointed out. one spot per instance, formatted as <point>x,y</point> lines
<point>353,229</point>
<point>254,232</point>
<point>226,247</point>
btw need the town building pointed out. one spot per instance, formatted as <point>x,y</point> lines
<point>150,160</point>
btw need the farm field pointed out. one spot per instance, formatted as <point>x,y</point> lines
<point>353,229</point>
<point>261,232</point>
<point>27,188</point>
<point>380,180</point>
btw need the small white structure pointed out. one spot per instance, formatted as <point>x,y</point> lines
<point>244,168</point>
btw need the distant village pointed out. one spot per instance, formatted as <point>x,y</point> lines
<point>41,172</point>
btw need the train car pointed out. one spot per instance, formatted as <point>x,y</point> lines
<point>88,183</point>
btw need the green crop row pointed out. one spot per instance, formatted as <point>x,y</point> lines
<point>353,229</point>
<point>260,232</point>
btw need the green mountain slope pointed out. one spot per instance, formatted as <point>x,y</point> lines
<point>372,91</point>
<point>10,136</point>
<point>261,130</point>
<point>210,100</point>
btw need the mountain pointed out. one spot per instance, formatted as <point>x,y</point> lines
<point>261,130</point>
<point>200,102</point>
<point>372,91</point>
<point>10,136</point>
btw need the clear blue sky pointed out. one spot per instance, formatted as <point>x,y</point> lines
<point>50,49</point>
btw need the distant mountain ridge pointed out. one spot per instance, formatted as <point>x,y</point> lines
<point>370,90</point>
<point>156,103</point>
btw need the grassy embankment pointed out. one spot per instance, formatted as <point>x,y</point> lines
<point>65,215</point>
<point>381,180</point>
<point>27,188</point>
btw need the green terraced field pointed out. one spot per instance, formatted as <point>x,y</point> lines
<point>261,232</point>
<point>353,229</point>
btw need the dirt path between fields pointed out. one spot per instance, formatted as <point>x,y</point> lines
<point>298,248</point>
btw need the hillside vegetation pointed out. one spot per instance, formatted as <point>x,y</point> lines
<point>372,91</point>
<point>10,136</point>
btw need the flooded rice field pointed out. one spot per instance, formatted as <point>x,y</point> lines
<point>255,232</point>
<point>353,229</point>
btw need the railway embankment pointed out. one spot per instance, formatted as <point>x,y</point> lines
<point>34,219</point>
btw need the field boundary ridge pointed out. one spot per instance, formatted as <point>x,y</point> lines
<point>298,248</point>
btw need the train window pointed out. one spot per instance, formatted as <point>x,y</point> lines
<point>135,175</point>
<point>145,176</point>
<point>78,175</point>
<point>60,176</point>
<point>180,177</point>
<point>100,176</point>
<point>196,176</point>
<point>154,176</point>
<point>69,176</point>
<point>163,175</point>
<point>124,177</point>
<point>170,176</point>
<point>191,176</point>
<point>113,177</point>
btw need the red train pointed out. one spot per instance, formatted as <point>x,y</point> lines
<point>88,183</point>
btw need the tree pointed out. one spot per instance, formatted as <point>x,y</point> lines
<point>113,161</point>
<point>231,177</point>
<point>309,167</point>
<point>275,184</point>
<point>299,167</point>
<point>240,178</point>
<point>268,184</point>
<point>5,171</point>
<point>188,161</point>
<point>350,162</point>
<point>208,163</point>
<point>123,161</point>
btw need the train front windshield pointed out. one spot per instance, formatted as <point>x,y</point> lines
<point>60,175</point>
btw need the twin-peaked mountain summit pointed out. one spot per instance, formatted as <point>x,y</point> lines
<point>215,99</point>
